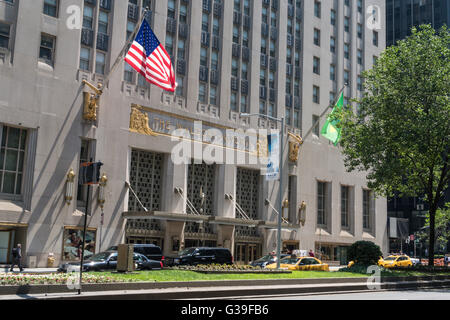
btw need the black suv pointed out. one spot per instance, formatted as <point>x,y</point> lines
<point>151,251</point>
<point>203,255</point>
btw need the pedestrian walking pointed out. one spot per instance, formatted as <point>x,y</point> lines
<point>17,257</point>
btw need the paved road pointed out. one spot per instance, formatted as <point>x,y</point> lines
<point>431,294</point>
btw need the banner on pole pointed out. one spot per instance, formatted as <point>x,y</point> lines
<point>273,165</point>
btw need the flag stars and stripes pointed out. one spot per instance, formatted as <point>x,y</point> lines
<point>149,58</point>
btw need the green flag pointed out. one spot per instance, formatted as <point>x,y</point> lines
<point>330,130</point>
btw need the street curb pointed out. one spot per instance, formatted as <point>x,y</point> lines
<point>259,284</point>
<point>255,292</point>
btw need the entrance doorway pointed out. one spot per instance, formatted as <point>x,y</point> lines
<point>244,253</point>
<point>5,246</point>
<point>290,246</point>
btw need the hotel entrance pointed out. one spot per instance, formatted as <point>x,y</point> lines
<point>244,253</point>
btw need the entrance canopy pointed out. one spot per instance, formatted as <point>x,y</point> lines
<point>169,216</point>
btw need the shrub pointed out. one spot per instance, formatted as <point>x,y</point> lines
<point>364,253</point>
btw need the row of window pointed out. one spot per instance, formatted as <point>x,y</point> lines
<point>346,206</point>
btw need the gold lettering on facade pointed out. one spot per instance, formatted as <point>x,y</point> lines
<point>139,122</point>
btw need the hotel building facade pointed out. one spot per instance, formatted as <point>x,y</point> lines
<point>280,58</point>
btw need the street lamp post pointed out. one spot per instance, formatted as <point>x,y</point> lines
<point>280,189</point>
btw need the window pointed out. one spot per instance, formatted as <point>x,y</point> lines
<point>204,57</point>
<point>179,90</point>
<point>347,24</point>
<point>85,56</point>
<point>271,80</point>
<point>333,44</point>
<point>359,4</point>
<point>333,17</point>
<point>317,37</point>
<point>88,17</point>
<point>128,73</point>
<point>347,51</point>
<point>332,72</point>
<point>359,30</point>
<point>368,207</point>
<point>47,48</point>
<point>375,38</point>
<point>344,206</point>
<point>297,119</point>
<point>243,103</point>
<point>262,107</point>
<point>51,7</point>
<point>321,203</point>
<point>360,56</point>
<point>359,83</point>
<point>346,77</point>
<point>288,116</point>
<point>100,63</point>
<point>316,128</point>
<point>316,65</point>
<point>233,101</point>
<point>317,9</point>
<point>202,93</point>
<point>213,95</point>
<point>5,30</point>
<point>103,22</point>
<point>12,158</point>
<point>316,94</point>
<point>271,111</point>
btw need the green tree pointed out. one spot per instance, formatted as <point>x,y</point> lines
<point>400,134</point>
<point>364,253</point>
<point>442,227</point>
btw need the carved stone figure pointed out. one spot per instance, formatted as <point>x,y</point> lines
<point>139,122</point>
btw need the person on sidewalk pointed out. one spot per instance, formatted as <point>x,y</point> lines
<point>17,257</point>
<point>311,253</point>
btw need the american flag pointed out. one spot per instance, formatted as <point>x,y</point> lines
<point>148,57</point>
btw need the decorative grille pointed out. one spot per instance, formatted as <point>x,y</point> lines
<point>145,179</point>
<point>247,185</point>
<point>201,179</point>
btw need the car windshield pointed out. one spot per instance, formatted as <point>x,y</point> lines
<point>100,256</point>
<point>289,260</point>
<point>390,258</point>
<point>266,258</point>
<point>187,251</point>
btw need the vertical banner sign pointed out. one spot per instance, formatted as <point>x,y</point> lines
<point>273,166</point>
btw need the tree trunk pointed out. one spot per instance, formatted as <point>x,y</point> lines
<point>432,236</point>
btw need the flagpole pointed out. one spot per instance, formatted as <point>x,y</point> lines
<point>323,113</point>
<point>129,40</point>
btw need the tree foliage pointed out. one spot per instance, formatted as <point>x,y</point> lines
<point>364,253</point>
<point>400,134</point>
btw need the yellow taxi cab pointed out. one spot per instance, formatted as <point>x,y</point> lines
<point>301,263</point>
<point>396,261</point>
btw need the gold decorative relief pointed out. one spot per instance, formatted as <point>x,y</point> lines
<point>91,101</point>
<point>294,147</point>
<point>90,106</point>
<point>139,122</point>
<point>262,149</point>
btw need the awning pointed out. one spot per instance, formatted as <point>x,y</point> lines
<point>161,215</point>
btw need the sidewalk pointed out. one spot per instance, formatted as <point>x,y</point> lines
<point>5,269</point>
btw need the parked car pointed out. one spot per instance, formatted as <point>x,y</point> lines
<point>415,261</point>
<point>396,261</point>
<point>107,260</point>
<point>266,260</point>
<point>300,263</point>
<point>151,251</point>
<point>203,255</point>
